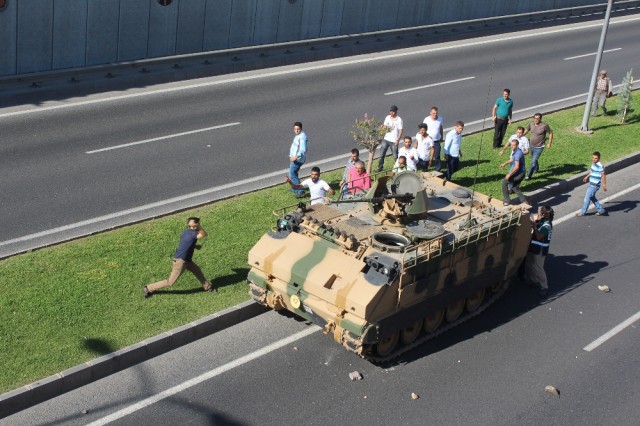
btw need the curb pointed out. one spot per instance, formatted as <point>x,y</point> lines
<point>574,181</point>
<point>83,374</point>
<point>80,375</point>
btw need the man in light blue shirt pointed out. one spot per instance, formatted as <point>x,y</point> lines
<point>453,149</point>
<point>297,156</point>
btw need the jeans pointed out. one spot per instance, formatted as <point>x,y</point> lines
<point>535,154</point>
<point>384,146</point>
<point>453,164</point>
<point>513,184</point>
<point>589,197</point>
<point>436,156</point>
<point>294,168</point>
<point>500,129</point>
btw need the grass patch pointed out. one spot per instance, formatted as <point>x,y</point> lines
<point>64,305</point>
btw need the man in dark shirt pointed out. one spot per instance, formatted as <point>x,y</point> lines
<point>182,259</point>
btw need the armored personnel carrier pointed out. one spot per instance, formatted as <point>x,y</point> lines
<point>387,269</point>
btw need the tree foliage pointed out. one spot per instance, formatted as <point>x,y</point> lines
<point>368,133</point>
<point>624,96</point>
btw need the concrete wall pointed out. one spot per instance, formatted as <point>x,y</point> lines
<point>42,35</point>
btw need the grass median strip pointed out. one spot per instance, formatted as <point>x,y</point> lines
<point>67,304</point>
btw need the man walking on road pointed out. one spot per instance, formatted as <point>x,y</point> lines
<point>501,114</point>
<point>539,131</point>
<point>297,156</point>
<point>182,259</point>
<point>391,140</point>
<point>603,91</point>
<point>595,176</point>
<point>435,130</point>
<point>541,230</point>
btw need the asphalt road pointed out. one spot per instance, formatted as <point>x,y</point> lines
<point>275,370</point>
<point>65,172</point>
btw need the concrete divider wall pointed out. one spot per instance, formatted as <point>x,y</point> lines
<point>57,34</point>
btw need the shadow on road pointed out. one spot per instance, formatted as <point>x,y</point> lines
<point>565,273</point>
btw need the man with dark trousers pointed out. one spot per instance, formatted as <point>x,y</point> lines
<point>501,114</point>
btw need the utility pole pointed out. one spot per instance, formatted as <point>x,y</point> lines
<point>584,127</point>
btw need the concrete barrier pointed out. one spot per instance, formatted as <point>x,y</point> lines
<point>63,34</point>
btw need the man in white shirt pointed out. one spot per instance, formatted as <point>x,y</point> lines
<point>318,189</point>
<point>391,140</point>
<point>410,153</point>
<point>523,142</point>
<point>424,146</point>
<point>435,129</point>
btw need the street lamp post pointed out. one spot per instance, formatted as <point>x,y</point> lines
<point>596,67</point>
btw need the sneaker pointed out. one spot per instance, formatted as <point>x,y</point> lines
<point>147,293</point>
<point>527,177</point>
<point>579,214</point>
<point>602,213</point>
<point>506,203</point>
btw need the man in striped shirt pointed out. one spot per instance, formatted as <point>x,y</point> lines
<point>596,177</point>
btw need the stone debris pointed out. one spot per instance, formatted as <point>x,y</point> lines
<point>414,396</point>
<point>604,288</point>
<point>355,375</point>
<point>552,390</point>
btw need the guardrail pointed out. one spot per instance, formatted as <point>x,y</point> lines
<point>319,47</point>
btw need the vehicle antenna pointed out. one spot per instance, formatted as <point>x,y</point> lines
<point>484,120</point>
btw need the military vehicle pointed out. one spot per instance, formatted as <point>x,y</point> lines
<point>386,269</point>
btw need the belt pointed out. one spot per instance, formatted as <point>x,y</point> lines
<point>501,118</point>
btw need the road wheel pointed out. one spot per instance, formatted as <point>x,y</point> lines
<point>454,310</point>
<point>433,321</point>
<point>385,346</point>
<point>409,334</point>
<point>474,301</point>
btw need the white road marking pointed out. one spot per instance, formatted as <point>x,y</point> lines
<point>428,85</point>
<point>307,68</point>
<point>175,135</point>
<point>609,334</point>
<point>591,54</point>
<point>602,201</point>
<point>161,203</point>
<point>204,377</point>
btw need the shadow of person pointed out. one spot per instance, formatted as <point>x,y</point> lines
<point>239,275</point>
<point>623,206</point>
<point>98,346</point>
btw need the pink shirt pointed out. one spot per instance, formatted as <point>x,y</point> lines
<point>358,182</point>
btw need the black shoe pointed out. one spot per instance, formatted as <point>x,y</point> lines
<point>543,292</point>
<point>147,293</point>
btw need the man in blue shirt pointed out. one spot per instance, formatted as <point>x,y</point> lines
<point>596,176</point>
<point>512,180</point>
<point>297,156</point>
<point>501,114</point>
<point>182,259</point>
<point>452,149</point>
